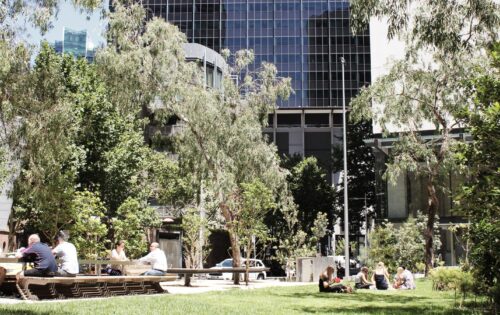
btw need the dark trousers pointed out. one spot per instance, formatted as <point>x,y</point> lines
<point>38,273</point>
<point>361,286</point>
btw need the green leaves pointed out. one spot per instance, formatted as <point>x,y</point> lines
<point>88,231</point>
<point>480,196</point>
<point>132,220</point>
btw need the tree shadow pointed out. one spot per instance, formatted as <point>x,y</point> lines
<point>383,309</point>
<point>31,312</point>
<point>360,297</point>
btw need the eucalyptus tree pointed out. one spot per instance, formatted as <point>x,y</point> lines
<point>480,196</point>
<point>49,157</point>
<point>15,55</point>
<point>223,133</point>
<point>221,139</point>
<point>35,143</point>
<point>445,43</point>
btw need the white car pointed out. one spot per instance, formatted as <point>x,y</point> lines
<point>340,261</point>
<point>228,263</point>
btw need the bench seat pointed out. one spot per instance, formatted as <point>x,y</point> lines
<point>37,288</point>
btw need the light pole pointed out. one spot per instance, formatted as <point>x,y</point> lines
<point>344,138</point>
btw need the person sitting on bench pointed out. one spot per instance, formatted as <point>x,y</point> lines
<point>157,259</point>
<point>67,253</point>
<point>327,283</point>
<point>39,254</point>
<point>117,254</point>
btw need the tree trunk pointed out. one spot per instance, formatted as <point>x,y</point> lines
<point>233,238</point>
<point>235,250</point>
<point>12,233</point>
<point>247,265</point>
<point>429,230</point>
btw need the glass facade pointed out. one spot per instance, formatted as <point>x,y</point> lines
<point>75,44</point>
<point>303,38</point>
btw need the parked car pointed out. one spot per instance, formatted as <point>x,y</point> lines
<point>228,263</point>
<point>340,261</point>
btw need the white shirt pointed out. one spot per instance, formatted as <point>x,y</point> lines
<point>117,256</point>
<point>409,281</point>
<point>67,252</point>
<point>157,259</point>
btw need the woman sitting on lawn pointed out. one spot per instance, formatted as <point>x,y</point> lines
<point>361,280</point>
<point>327,284</point>
<point>381,277</point>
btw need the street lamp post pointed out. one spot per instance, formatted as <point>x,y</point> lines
<point>344,138</point>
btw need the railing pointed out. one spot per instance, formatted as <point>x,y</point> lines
<point>187,272</point>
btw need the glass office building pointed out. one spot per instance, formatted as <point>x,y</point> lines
<point>303,38</point>
<point>74,43</point>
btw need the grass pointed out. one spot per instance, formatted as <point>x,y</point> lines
<point>277,300</point>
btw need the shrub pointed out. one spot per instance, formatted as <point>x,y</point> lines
<point>456,279</point>
<point>403,246</point>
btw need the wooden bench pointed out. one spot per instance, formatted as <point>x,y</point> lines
<point>38,288</point>
<point>189,272</point>
<point>84,286</point>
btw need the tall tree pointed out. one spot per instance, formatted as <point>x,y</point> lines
<point>224,129</point>
<point>312,193</point>
<point>50,158</point>
<point>452,34</point>
<point>360,173</point>
<point>480,197</point>
<point>222,134</point>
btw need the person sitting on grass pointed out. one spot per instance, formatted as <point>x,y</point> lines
<point>398,278</point>
<point>41,256</point>
<point>157,259</point>
<point>381,277</point>
<point>404,280</point>
<point>327,283</point>
<point>361,280</point>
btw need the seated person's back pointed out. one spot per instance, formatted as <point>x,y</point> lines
<point>41,256</point>
<point>409,281</point>
<point>380,277</point>
<point>67,252</point>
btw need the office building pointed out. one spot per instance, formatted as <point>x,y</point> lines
<point>75,43</point>
<point>305,40</point>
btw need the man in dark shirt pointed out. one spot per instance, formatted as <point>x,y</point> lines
<point>42,257</point>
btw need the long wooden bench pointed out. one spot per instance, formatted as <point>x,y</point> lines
<point>38,288</point>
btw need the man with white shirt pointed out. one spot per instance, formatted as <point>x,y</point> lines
<point>409,281</point>
<point>157,259</point>
<point>67,253</point>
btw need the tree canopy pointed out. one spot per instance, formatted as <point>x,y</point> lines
<point>445,43</point>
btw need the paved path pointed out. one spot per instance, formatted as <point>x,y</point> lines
<point>200,286</point>
<point>177,287</point>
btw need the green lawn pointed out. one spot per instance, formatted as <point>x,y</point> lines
<point>279,300</point>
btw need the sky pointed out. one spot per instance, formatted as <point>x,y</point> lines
<point>72,18</point>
